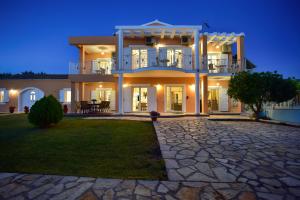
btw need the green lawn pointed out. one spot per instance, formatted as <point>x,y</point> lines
<point>97,148</point>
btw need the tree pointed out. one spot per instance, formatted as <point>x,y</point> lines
<point>255,89</point>
<point>45,112</point>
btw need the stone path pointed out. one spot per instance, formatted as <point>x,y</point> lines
<point>26,186</point>
<point>265,157</point>
<point>204,160</point>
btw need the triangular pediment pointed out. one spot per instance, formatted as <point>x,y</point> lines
<point>156,23</point>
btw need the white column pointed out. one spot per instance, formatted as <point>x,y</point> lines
<point>197,74</point>
<point>120,50</point>
<point>120,93</point>
<point>120,68</point>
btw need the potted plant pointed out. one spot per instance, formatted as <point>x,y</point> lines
<point>154,115</point>
<point>65,109</point>
<point>26,109</point>
<point>12,109</point>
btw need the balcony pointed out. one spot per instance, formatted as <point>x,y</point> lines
<point>163,58</point>
<point>224,66</point>
<point>97,66</point>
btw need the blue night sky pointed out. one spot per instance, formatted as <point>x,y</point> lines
<point>34,34</point>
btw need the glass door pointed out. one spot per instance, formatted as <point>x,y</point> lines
<point>101,94</point>
<point>174,99</point>
<point>139,58</point>
<point>213,99</point>
<point>140,99</point>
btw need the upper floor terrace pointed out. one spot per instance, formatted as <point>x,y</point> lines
<point>159,46</point>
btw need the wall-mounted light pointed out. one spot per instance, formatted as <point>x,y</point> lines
<point>217,46</point>
<point>192,87</point>
<point>100,86</point>
<point>159,45</point>
<point>158,86</point>
<point>13,92</point>
<point>218,84</point>
<point>125,85</point>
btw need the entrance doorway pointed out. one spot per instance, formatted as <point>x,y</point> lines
<point>213,99</point>
<point>140,99</point>
<point>174,98</point>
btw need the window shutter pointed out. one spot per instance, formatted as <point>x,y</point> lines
<point>224,60</point>
<point>127,99</point>
<point>162,56</point>
<point>6,96</point>
<point>152,57</point>
<point>61,96</point>
<point>127,58</point>
<point>187,58</point>
<point>223,100</point>
<point>93,94</point>
<point>94,66</point>
<point>152,106</point>
<point>113,100</point>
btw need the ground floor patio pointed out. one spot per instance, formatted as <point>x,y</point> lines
<point>175,95</point>
<point>204,160</point>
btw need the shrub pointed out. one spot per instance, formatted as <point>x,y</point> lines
<point>45,112</point>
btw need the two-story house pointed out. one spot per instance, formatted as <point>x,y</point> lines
<point>158,66</point>
<point>154,66</point>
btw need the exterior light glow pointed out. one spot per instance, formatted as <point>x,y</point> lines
<point>217,46</point>
<point>13,92</point>
<point>100,86</point>
<point>192,87</point>
<point>158,86</point>
<point>218,84</point>
<point>159,45</point>
<point>125,85</point>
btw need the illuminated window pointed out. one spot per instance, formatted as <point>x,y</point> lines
<point>32,96</point>
<point>174,57</point>
<point>67,96</point>
<point>139,58</point>
<point>1,96</point>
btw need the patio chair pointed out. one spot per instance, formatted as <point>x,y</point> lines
<point>84,107</point>
<point>106,106</point>
<point>77,106</point>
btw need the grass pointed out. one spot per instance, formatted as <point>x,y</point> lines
<point>79,147</point>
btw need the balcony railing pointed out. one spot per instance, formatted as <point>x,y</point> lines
<point>91,67</point>
<point>224,66</point>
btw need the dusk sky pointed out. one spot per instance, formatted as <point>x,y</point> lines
<point>34,34</point>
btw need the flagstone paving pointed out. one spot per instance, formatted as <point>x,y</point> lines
<point>266,157</point>
<point>204,160</point>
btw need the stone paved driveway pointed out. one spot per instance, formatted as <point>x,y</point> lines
<point>266,157</point>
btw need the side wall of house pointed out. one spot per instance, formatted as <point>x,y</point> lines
<point>16,86</point>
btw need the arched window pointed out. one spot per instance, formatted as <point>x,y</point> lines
<point>32,96</point>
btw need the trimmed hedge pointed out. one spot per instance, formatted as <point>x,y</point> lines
<point>45,112</point>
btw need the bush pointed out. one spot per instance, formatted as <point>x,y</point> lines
<point>45,112</point>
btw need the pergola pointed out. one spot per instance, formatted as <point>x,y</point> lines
<point>222,38</point>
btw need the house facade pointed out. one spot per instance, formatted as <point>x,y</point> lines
<point>154,66</point>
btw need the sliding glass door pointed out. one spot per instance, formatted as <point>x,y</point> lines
<point>175,99</point>
<point>213,99</point>
<point>139,58</point>
<point>140,99</point>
